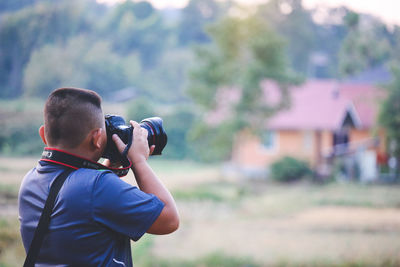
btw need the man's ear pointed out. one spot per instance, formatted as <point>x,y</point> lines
<point>41,133</point>
<point>97,139</point>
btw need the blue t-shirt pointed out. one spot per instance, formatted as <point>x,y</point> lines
<point>94,217</point>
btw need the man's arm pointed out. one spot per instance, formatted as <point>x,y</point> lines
<point>168,221</point>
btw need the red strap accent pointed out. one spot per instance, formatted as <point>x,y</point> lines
<point>57,162</point>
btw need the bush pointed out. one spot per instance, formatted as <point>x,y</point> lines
<point>289,169</point>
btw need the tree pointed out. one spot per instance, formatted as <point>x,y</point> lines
<point>328,40</point>
<point>195,17</point>
<point>389,116</point>
<point>296,26</point>
<point>395,43</point>
<point>365,45</point>
<point>25,30</point>
<point>79,63</point>
<point>244,52</point>
<point>137,27</point>
<point>11,5</point>
<point>166,81</point>
<point>177,125</point>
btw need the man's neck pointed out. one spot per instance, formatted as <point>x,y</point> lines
<point>84,153</point>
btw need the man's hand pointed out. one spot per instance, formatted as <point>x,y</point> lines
<point>139,150</point>
<point>168,220</point>
<point>110,164</point>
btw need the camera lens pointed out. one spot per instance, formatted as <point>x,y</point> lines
<point>116,125</point>
<point>157,135</point>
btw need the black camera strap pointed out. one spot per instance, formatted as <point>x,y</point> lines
<point>44,221</point>
<point>74,161</point>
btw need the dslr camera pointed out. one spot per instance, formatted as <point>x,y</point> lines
<point>116,125</point>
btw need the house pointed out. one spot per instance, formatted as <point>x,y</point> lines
<point>326,118</point>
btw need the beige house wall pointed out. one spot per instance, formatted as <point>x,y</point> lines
<point>307,145</point>
<point>357,135</point>
<point>311,146</point>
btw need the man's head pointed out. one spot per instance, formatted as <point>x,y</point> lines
<point>73,118</point>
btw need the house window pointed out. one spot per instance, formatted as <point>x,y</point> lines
<point>269,140</point>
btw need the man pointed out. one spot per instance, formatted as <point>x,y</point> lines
<point>95,213</point>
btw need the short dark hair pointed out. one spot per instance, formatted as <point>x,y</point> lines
<point>70,114</point>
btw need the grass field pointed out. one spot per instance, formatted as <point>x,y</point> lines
<point>230,221</point>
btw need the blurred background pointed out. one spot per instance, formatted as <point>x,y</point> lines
<point>283,119</point>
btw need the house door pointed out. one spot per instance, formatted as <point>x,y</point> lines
<point>340,141</point>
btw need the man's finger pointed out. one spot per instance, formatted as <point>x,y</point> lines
<point>118,142</point>
<point>107,162</point>
<point>136,126</point>
<point>152,149</point>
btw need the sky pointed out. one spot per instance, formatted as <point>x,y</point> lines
<point>387,10</point>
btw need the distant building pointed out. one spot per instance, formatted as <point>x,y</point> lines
<point>326,119</point>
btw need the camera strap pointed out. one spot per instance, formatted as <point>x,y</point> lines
<point>44,221</point>
<point>125,152</point>
<point>70,160</point>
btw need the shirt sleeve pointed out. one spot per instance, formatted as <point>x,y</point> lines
<point>123,207</point>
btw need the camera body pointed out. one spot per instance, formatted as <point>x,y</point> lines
<point>116,125</point>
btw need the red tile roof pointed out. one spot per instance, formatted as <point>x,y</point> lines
<point>316,104</point>
<point>366,99</point>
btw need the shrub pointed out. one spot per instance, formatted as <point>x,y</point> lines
<point>289,169</point>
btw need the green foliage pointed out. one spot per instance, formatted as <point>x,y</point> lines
<point>198,194</point>
<point>25,30</point>
<point>215,259</point>
<point>166,82</point>
<point>78,63</point>
<point>48,44</point>
<point>351,19</point>
<point>80,43</point>
<point>137,27</point>
<point>11,5</point>
<point>219,259</point>
<point>212,143</point>
<point>173,167</point>
<point>8,192</point>
<point>198,14</point>
<point>138,31</point>
<point>140,109</point>
<point>216,192</point>
<point>237,42</point>
<point>177,125</point>
<point>21,139</point>
<point>11,250</point>
<point>289,169</point>
<point>364,46</point>
<point>19,129</point>
<point>389,116</point>
<point>141,251</point>
<point>295,24</point>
